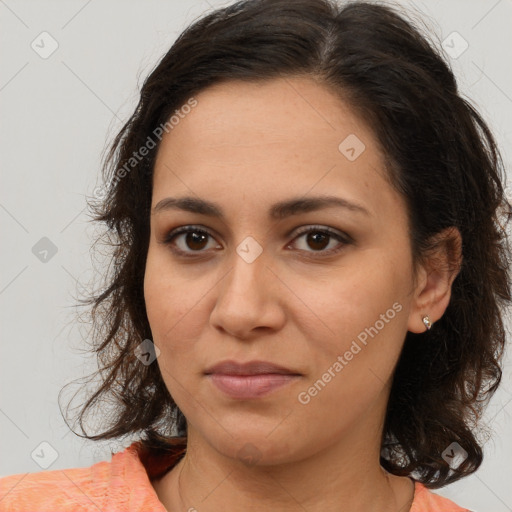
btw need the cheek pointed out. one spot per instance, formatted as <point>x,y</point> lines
<point>169,298</point>
<point>164,302</point>
<point>174,315</point>
<point>176,311</point>
<point>355,297</point>
<point>164,311</point>
<point>362,322</point>
<point>366,316</point>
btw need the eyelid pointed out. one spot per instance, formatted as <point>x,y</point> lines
<point>326,229</point>
<point>184,230</point>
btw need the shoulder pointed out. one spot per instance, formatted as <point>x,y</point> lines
<point>67,489</point>
<point>427,501</point>
<point>119,484</point>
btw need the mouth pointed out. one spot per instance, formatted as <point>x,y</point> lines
<point>250,368</point>
<point>249,380</point>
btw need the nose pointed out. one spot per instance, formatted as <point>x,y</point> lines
<point>249,299</point>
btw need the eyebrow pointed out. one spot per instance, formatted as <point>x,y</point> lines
<point>277,211</point>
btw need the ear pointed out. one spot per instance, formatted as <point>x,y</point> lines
<point>434,279</point>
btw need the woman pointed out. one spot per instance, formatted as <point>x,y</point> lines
<point>311,272</point>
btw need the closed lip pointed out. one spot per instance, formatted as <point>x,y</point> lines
<point>249,368</point>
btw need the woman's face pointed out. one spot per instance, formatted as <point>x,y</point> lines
<point>271,273</point>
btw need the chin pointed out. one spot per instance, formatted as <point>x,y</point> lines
<point>254,447</point>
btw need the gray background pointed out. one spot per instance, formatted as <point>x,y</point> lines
<point>58,114</point>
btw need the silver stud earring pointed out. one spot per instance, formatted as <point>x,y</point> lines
<point>427,322</point>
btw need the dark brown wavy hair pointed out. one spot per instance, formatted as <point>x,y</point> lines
<point>440,155</point>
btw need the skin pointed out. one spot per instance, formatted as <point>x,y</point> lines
<point>246,146</point>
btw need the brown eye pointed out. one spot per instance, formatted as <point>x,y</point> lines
<point>193,241</point>
<point>322,240</point>
<point>317,240</point>
<point>188,240</point>
<point>196,240</point>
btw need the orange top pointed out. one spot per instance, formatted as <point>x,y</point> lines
<point>123,484</point>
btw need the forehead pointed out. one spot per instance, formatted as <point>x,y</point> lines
<point>269,138</point>
<point>274,111</point>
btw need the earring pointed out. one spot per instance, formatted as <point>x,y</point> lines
<point>427,322</point>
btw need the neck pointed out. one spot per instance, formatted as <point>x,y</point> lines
<point>347,474</point>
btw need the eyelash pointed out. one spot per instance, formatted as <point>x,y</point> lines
<point>340,236</point>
